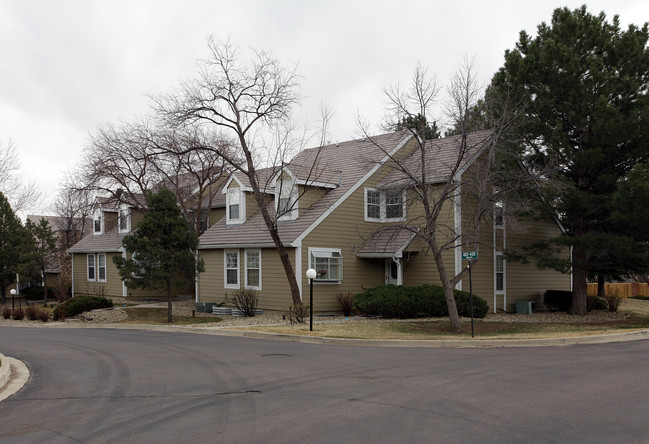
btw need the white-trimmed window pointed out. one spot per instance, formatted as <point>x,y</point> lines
<point>499,272</point>
<point>90,261</point>
<point>231,266</point>
<point>286,195</point>
<point>327,263</point>
<point>98,222</point>
<point>124,219</point>
<point>101,267</point>
<point>385,206</point>
<point>499,220</point>
<point>235,206</point>
<point>253,269</point>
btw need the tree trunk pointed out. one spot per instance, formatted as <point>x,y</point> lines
<point>601,288</point>
<point>449,293</point>
<point>579,279</point>
<point>169,319</point>
<point>44,291</point>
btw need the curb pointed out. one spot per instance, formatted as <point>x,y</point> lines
<point>414,343</point>
<point>5,371</point>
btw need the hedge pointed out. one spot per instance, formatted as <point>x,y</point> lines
<point>79,304</point>
<point>391,301</point>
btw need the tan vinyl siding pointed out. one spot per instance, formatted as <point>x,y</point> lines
<point>136,218</point>
<point>275,293</point>
<point>309,196</point>
<point>216,214</point>
<point>82,286</point>
<point>525,282</point>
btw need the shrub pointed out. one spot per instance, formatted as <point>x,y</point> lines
<point>558,300</point>
<point>346,301</point>
<point>613,299</point>
<point>595,303</point>
<point>43,316</point>
<point>18,314</point>
<point>640,297</point>
<point>79,304</point>
<point>6,313</point>
<point>246,302</point>
<point>297,314</point>
<point>31,312</point>
<point>391,301</point>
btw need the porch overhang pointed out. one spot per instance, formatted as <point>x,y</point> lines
<point>387,243</point>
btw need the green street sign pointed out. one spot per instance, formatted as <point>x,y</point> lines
<point>469,255</point>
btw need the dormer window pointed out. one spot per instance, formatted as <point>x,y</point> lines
<point>124,219</point>
<point>385,206</point>
<point>286,195</point>
<point>98,222</point>
<point>235,206</point>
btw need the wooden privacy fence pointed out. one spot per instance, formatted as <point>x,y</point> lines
<point>624,290</point>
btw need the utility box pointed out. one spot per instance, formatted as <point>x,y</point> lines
<point>524,307</point>
<point>204,307</point>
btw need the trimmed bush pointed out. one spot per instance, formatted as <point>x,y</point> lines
<point>391,301</point>
<point>558,300</point>
<point>6,313</point>
<point>31,313</point>
<point>79,304</point>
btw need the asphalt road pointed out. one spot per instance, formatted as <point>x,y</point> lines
<point>102,385</point>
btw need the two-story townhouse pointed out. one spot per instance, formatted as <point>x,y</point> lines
<point>343,211</point>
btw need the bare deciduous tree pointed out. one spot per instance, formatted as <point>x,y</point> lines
<point>131,159</point>
<point>250,100</point>
<point>21,195</point>
<point>434,173</point>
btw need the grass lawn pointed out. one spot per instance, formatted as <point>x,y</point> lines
<point>419,330</point>
<point>146,315</point>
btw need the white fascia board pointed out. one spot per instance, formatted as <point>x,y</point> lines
<point>227,184</point>
<point>316,184</point>
<point>351,190</point>
<point>227,246</point>
<point>473,158</point>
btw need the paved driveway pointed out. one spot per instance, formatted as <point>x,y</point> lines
<point>101,385</point>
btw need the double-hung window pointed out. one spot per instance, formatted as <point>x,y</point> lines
<point>328,264</point>
<point>286,200</point>
<point>90,260</point>
<point>231,268</point>
<point>124,219</point>
<point>101,267</point>
<point>98,222</point>
<point>499,270</point>
<point>253,269</point>
<point>385,206</point>
<point>235,206</point>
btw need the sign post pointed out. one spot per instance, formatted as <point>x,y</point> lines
<point>470,256</point>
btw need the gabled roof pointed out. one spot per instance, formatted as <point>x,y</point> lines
<point>346,162</point>
<point>107,242</point>
<point>441,157</point>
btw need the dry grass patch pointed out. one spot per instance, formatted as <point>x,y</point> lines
<point>427,330</point>
<point>146,315</point>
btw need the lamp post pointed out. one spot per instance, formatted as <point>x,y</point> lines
<point>310,274</point>
<point>13,295</point>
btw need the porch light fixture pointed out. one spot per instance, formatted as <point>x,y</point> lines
<point>311,274</point>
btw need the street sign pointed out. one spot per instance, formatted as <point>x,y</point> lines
<point>469,255</point>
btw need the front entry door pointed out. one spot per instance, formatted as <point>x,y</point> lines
<point>393,272</point>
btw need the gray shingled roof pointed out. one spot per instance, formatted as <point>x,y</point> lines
<point>353,159</point>
<point>388,242</point>
<point>110,241</point>
<point>441,155</point>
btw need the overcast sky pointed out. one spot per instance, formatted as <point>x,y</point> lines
<point>68,66</point>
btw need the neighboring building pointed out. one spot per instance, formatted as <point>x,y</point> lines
<point>344,212</point>
<point>93,270</point>
<point>69,231</point>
